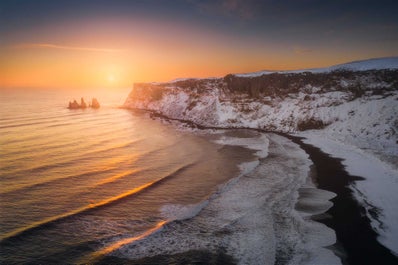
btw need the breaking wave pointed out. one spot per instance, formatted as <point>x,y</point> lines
<point>252,217</point>
<point>91,206</point>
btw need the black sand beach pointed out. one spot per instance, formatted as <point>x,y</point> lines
<point>347,216</point>
<point>356,240</point>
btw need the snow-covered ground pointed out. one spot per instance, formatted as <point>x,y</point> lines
<point>355,115</point>
<point>378,190</point>
<point>252,217</point>
<point>363,65</point>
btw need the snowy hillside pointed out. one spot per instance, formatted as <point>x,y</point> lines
<point>363,65</point>
<point>349,111</point>
<point>355,107</point>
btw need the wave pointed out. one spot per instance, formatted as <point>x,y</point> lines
<point>77,157</point>
<point>23,124</point>
<point>96,256</point>
<point>45,116</point>
<point>92,206</point>
<point>32,145</point>
<point>40,121</point>
<point>117,177</point>
<point>105,167</point>
<point>28,187</point>
<point>25,119</point>
<point>256,205</point>
<point>43,130</point>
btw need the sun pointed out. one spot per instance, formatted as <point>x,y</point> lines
<point>111,78</point>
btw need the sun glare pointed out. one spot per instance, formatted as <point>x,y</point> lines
<point>111,78</point>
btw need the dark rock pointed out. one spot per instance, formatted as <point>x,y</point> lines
<point>83,105</point>
<point>95,104</point>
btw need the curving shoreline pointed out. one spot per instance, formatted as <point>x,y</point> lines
<point>353,228</point>
<point>346,217</point>
<point>255,219</point>
<point>252,218</point>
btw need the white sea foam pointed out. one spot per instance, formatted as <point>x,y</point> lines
<point>260,143</point>
<point>379,189</point>
<point>174,212</point>
<point>252,217</point>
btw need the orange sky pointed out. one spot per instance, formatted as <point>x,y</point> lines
<point>87,65</point>
<point>82,44</point>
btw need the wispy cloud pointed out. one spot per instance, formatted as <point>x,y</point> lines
<point>63,47</point>
<point>299,50</point>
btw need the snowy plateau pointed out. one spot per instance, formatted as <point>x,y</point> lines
<point>349,111</point>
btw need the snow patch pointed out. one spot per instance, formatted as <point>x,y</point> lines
<point>363,65</point>
<point>378,190</point>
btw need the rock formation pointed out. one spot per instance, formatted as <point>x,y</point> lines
<point>83,105</point>
<point>95,104</point>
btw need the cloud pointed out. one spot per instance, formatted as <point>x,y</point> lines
<point>299,50</point>
<point>64,47</point>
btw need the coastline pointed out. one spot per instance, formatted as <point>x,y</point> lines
<point>354,254</point>
<point>270,191</point>
<point>347,216</point>
<point>377,193</point>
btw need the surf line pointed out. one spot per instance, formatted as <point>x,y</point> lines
<point>53,219</point>
<point>91,206</point>
<point>353,230</point>
<point>50,220</point>
<point>98,255</point>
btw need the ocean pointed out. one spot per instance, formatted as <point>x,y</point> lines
<point>77,184</point>
<point>118,186</point>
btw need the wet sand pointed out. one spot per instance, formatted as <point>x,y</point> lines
<point>356,240</point>
<point>347,217</point>
<point>251,220</point>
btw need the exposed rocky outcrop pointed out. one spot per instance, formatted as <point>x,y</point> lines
<point>83,105</point>
<point>349,103</point>
<point>95,104</point>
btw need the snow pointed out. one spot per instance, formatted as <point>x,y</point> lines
<point>190,79</point>
<point>256,205</point>
<point>363,65</point>
<point>363,130</point>
<point>379,190</point>
<point>370,64</point>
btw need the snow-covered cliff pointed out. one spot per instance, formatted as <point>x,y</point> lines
<point>355,102</point>
<point>350,111</point>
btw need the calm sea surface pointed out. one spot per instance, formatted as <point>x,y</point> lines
<point>75,183</point>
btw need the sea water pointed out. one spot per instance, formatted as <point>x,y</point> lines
<point>110,185</point>
<point>74,181</point>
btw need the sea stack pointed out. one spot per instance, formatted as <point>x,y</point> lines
<point>73,105</point>
<point>95,104</point>
<point>83,105</point>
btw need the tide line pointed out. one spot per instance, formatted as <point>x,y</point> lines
<point>91,206</point>
<point>92,259</point>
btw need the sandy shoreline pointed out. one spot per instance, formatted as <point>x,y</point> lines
<point>311,204</point>
<point>254,219</point>
<point>347,216</point>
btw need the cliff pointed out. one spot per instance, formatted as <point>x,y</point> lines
<point>354,102</point>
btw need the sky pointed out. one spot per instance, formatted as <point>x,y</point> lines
<point>115,43</point>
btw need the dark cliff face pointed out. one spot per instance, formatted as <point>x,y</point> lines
<point>277,85</point>
<point>281,84</point>
<point>285,102</point>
